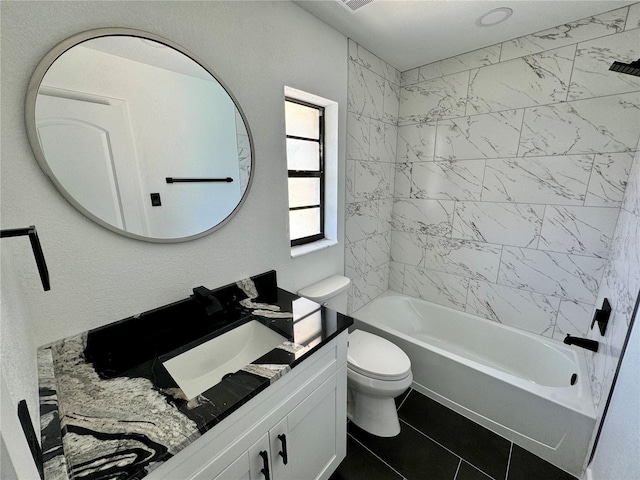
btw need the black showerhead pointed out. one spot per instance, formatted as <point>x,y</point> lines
<point>632,68</point>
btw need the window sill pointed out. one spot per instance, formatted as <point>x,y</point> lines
<point>300,250</point>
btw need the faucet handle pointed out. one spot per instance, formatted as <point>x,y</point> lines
<point>602,316</point>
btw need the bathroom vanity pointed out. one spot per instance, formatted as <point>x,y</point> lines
<point>152,396</point>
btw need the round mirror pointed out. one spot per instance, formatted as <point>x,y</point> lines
<point>139,135</point>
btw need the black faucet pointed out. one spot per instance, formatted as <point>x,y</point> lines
<point>205,297</point>
<point>581,342</point>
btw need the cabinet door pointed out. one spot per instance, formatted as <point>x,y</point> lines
<point>312,447</point>
<point>254,464</point>
<point>238,470</point>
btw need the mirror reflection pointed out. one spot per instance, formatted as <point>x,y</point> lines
<point>142,138</point>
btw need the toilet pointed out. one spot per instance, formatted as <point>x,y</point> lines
<point>377,370</point>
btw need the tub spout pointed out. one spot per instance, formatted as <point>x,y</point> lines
<point>581,342</point>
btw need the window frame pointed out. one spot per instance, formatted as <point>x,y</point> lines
<point>320,173</point>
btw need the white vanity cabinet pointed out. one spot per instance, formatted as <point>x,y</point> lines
<point>306,440</point>
<point>306,409</point>
<point>250,465</point>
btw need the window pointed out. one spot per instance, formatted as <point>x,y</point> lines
<point>305,126</point>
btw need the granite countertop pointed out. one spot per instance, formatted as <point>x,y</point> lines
<point>109,408</point>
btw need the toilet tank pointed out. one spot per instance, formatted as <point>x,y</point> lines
<point>331,291</point>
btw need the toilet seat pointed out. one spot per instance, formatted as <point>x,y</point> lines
<point>376,357</point>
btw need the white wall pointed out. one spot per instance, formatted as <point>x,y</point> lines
<point>619,445</point>
<point>18,378</point>
<point>98,276</point>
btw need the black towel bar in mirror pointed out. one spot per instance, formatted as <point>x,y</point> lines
<point>193,180</point>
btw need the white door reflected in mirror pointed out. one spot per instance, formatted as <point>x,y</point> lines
<point>112,113</point>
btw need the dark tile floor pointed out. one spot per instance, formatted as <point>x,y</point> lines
<point>436,443</point>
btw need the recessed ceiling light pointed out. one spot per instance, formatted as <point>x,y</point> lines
<point>494,17</point>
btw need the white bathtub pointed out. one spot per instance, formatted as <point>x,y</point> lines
<point>514,383</point>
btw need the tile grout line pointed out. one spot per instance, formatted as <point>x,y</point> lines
<point>626,19</point>
<point>524,111</point>
<point>449,450</point>
<point>524,107</point>
<point>586,192</point>
<point>374,454</point>
<point>506,475</point>
<point>631,151</point>
<point>573,67</point>
<point>405,399</point>
<point>457,469</point>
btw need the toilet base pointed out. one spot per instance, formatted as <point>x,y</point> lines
<point>376,415</point>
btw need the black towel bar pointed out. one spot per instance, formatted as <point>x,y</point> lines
<point>193,180</point>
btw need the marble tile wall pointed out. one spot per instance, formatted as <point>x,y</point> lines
<point>511,169</point>
<point>621,286</point>
<point>373,103</point>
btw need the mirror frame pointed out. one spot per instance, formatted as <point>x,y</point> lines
<point>32,134</point>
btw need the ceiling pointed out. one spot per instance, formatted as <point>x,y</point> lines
<point>409,34</point>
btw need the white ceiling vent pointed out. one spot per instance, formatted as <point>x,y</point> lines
<point>353,5</point>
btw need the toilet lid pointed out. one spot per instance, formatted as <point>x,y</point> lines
<point>376,357</point>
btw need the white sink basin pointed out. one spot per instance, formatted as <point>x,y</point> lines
<point>202,367</point>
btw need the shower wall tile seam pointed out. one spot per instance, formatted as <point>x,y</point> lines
<point>573,66</point>
<point>466,100</point>
<point>511,157</point>
<point>520,133</point>
<point>593,163</point>
<point>626,20</point>
<point>528,107</point>
<point>554,296</point>
<point>372,118</point>
<point>544,213</point>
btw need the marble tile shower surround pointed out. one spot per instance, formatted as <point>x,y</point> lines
<point>508,187</point>
<point>372,118</point>
<point>511,168</point>
<point>621,285</point>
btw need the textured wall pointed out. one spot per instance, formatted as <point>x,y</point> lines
<point>98,276</point>
<point>371,151</point>
<point>512,162</point>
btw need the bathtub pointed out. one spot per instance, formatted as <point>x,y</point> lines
<point>515,383</point>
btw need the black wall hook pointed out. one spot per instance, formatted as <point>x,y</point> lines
<point>35,246</point>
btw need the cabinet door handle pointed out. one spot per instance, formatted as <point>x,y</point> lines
<point>265,461</point>
<point>283,452</point>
